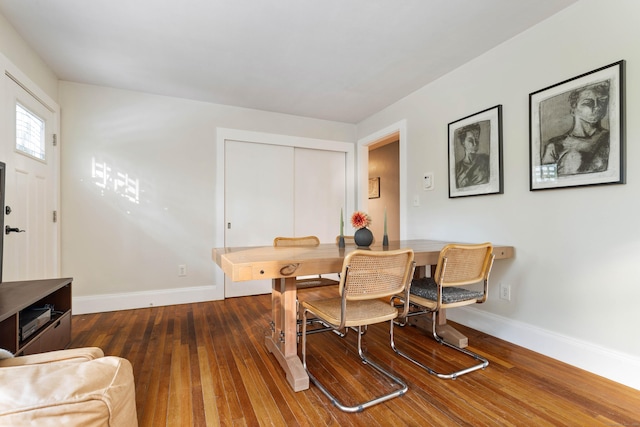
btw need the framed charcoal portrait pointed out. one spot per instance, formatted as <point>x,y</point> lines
<point>475,154</point>
<point>576,131</point>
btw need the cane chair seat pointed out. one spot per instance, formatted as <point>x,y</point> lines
<point>460,268</point>
<point>359,313</point>
<point>366,278</point>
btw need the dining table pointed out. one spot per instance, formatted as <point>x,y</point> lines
<point>283,264</point>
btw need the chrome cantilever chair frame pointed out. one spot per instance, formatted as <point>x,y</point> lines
<point>364,300</point>
<point>445,278</point>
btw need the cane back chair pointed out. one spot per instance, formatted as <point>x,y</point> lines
<point>348,240</point>
<point>307,282</point>
<point>366,278</point>
<point>459,265</point>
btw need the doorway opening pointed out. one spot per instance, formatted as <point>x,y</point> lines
<point>383,155</point>
<point>384,173</point>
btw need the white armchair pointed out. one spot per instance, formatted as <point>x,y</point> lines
<point>75,387</point>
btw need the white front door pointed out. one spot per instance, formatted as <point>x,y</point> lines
<point>31,188</point>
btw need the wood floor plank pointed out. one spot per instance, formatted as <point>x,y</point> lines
<point>206,364</point>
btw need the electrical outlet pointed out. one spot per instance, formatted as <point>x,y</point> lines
<point>182,270</point>
<point>505,292</point>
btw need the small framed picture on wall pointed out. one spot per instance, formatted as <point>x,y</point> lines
<point>475,154</point>
<point>374,188</point>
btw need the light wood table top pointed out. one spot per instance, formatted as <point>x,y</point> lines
<point>268,262</point>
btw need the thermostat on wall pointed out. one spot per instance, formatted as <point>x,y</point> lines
<point>427,181</point>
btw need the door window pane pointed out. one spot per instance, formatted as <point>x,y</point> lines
<point>29,133</point>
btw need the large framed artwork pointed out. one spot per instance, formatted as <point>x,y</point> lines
<point>576,131</point>
<point>475,154</point>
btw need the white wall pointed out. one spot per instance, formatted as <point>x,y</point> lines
<point>123,254</point>
<point>26,59</point>
<point>574,279</point>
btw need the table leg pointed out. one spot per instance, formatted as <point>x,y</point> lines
<point>447,332</point>
<point>282,341</point>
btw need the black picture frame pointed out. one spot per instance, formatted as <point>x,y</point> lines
<point>475,171</point>
<point>577,131</point>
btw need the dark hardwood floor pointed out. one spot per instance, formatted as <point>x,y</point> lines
<point>206,364</point>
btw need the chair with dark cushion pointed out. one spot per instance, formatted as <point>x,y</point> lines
<point>459,268</point>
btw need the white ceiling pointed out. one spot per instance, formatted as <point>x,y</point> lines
<point>339,60</point>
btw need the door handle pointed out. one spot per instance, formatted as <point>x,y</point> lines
<point>9,229</point>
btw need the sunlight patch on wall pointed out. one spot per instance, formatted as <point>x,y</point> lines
<point>119,182</point>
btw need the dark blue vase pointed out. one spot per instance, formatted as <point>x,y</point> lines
<point>363,237</point>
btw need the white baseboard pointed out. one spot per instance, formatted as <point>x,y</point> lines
<point>616,366</point>
<point>131,300</point>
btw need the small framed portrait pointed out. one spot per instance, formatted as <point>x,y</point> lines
<point>475,154</point>
<point>576,131</point>
<point>374,188</point>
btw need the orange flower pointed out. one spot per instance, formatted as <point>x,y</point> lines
<point>360,219</point>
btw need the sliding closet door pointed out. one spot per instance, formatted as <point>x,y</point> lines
<point>320,193</point>
<point>276,190</point>
<point>258,201</point>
